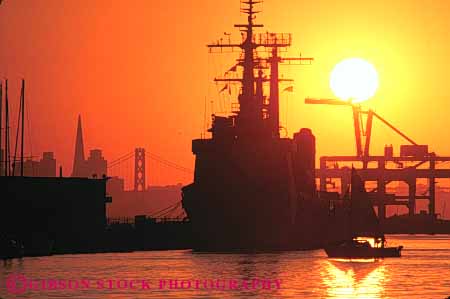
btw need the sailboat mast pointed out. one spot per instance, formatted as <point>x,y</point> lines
<point>1,123</point>
<point>23,126</point>
<point>6,129</point>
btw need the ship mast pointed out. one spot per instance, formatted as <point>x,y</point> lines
<point>247,99</point>
<point>257,116</point>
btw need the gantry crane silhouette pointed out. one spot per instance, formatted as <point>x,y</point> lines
<point>414,162</point>
<point>363,131</point>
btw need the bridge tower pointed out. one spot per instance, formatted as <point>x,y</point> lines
<point>139,169</point>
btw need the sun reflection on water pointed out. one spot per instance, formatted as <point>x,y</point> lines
<point>354,279</point>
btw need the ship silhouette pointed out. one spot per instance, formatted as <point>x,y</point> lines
<point>254,190</point>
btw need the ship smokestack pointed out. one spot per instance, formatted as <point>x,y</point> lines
<point>305,160</point>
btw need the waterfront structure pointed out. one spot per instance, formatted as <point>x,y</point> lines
<point>61,214</point>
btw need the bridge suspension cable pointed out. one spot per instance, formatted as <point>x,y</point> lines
<point>169,163</point>
<point>166,211</point>
<point>152,156</point>
<point>121,159</point>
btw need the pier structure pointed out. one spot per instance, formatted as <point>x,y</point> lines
<point>415,162</point>
<point>419,167</point>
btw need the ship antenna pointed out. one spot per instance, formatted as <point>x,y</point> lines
<point>248,47</point>
<point>248,7</point>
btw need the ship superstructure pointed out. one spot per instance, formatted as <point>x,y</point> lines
<point>253,189</point>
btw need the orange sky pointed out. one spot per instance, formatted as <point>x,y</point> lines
<point>138,71</point>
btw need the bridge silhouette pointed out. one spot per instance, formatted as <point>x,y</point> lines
<point>158,169</point>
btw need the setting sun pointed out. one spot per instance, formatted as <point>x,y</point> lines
<point>354,79</point>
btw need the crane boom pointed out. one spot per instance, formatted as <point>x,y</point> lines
<point>362,152</point>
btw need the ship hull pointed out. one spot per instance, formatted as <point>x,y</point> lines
<point>251,197</point>
<point>363,253</point>
<point>266,231</point>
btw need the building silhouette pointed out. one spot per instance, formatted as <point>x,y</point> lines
<point>115,185</point>
<point>94,166</point>
<point>79,162</point>
<point>45,167</point>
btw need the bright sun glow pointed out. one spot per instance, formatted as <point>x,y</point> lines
<point>354,79</point>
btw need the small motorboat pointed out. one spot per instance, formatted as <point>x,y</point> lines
<point>356,248</point>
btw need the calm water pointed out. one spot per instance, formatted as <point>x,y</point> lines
<point>423,272</point>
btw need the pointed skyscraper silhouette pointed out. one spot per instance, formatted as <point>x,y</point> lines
<point>79,159</point>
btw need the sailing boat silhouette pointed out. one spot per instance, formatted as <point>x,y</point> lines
<point>363,225</point>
